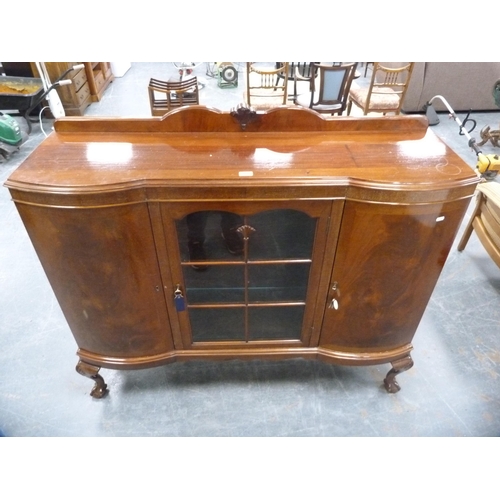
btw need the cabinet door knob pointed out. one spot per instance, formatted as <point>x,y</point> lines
<point>180,303</point>
<point>334,303</point>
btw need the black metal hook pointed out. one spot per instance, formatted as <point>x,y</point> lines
<point>467,119</point>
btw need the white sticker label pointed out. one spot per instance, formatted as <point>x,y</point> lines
<point>245,173</point>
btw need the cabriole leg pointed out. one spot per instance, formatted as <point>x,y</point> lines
<point>398,366</point>
<point>90,371</point>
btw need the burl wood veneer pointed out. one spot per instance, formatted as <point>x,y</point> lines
<point>345,225</point>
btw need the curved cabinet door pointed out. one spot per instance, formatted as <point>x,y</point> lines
<point>247,273</point>
<point>102,265</point>
<point>388,260</point>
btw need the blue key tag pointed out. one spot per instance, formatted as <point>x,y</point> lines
<point>180,303</point>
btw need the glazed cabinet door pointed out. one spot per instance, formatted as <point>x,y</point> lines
<point>246,274</point>
<point>388,261</point>
<point>102,265</point>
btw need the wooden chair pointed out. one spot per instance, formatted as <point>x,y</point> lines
<point>485,220</point>
<point>165,96</point>
<point>329,89</point>
<point>297,72</point>
<point>386,91</point>
<point>264,91</point>
<point>366,66</point>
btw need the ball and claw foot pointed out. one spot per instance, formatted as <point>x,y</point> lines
<point>400,365</point>
<point>90,371</point>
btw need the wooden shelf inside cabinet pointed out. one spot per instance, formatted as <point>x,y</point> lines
<point>99,76</point>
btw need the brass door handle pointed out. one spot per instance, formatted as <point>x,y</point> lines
<point>334,303</point>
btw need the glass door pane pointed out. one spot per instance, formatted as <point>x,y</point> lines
<point>281,234</point>
<point>208,235</point>
<point>246,277</point>
<point>277,282</point>
<point>216,324</point>
<point>271,323</point>
<point>215,285</point>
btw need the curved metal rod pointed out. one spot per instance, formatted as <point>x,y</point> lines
<point>472,142</point>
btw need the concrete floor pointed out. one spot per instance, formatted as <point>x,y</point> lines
<point>452,390</point>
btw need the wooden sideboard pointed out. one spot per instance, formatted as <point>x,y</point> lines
<point>211,235</point>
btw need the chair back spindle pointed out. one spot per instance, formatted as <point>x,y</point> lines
<point>264,89</point>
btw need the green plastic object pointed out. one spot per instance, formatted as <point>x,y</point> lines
<point>496,93</point>
<point>10,132</point>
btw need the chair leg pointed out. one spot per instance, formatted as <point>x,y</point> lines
<point>349,106</point>
<point>469,228</point>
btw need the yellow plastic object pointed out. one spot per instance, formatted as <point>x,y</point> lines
<point>488,165</point>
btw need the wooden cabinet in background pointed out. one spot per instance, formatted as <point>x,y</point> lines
<point>99,76</point>
<point>75,98</point>
<point>89,84</point>
<point>343,227</point>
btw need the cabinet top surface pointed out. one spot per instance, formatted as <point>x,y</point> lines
<point>203,147</point>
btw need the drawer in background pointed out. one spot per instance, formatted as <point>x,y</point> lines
<point>80,79</point>
<point>99,80</point>
<point>83,94</point>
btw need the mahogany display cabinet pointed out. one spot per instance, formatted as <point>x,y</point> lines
<point>208,235</point>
